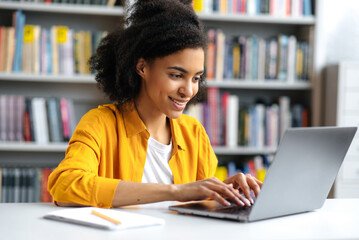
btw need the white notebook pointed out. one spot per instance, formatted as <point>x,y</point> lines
<point>85,217</point>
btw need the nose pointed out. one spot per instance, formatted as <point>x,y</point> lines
<point>187,89</point>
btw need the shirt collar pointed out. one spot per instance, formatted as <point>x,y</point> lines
<point>134,125</point>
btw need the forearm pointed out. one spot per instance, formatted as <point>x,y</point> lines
<point>130,193</point>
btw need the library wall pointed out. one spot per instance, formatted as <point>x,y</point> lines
<point>336,40</point>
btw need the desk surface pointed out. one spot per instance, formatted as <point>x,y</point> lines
<point>337,219</point>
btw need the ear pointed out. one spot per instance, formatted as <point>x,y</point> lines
<point>140,66</point>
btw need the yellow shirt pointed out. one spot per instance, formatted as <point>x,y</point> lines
<point>109,145</point>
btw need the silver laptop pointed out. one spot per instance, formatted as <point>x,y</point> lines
<point>298,180</point>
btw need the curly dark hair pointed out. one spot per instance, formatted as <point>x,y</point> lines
<point>154,28</point>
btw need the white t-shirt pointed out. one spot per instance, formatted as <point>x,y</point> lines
<point>157,169</point>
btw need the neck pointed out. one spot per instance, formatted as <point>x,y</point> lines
<point>156,122</point>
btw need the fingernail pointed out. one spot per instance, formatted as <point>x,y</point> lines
<point>227,203</point>
<point>239,201</point>
<point>247,202</point>
<point>252,200</point>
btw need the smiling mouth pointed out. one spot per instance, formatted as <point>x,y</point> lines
<point>177,102</point>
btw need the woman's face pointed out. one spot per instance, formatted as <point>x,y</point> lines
<point>170,82</point>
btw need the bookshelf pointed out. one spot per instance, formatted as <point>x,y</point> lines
<point>260,19</point>
<point>81,88</point>
<point>269,85</point>
<point>32,147</point>
<point>73,15</point>
<point>59,8</point>
<point>250,90</point>
<point>21,77</point>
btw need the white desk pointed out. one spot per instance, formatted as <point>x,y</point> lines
<point>337,219</point>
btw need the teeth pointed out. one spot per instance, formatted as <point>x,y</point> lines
<point>179,103</point>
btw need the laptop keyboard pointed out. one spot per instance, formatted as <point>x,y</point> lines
<point>234,209</point>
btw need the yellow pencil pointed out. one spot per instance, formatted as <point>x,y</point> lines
<point>105,217</point>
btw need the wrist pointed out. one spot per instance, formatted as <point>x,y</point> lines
<point>173,192</point>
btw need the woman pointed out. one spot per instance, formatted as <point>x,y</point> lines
<point>141,149</point>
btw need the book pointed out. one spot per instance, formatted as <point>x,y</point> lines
<point>292,43</point>
<point>3,118</point>
<point>84,216</point>
<point>10,44</point>
<point>282,57</point>
<point>54,50</point>
<point>3,35</point>
<point>45,195</point>
<point>3,184</point>
<point>220,54</point>
<point>198,5</point>
<point>232,121</point>
<point>54,119</point>
<point>19,117</point>
<point>18,24</point>
<point>66,57</point>
<point>284,114</point>
<point>211,55</point>
<point>221,173</point>
<point>65,119</point>
<point>10,114</point>
<point>213,101</point>
<point>255,165</point>
<point>40,120</point>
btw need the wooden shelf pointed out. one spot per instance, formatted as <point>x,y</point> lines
<point>261,18</point>
<point>64,8</point>
<point>61,147</point>
<point>23,77</point>
<point>32,147</point>
<point>221,150</point>
<point>90,79</point>
<point>245,84</point>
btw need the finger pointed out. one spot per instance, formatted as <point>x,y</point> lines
<point>217,197</point>
<point>227,191</point>
<point>243,185</point>
<point>238,193</point>
<point>260,183</point>
<point>253,184</point>
<point>237,197</point>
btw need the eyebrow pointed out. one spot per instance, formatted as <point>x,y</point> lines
<point>184,70</point>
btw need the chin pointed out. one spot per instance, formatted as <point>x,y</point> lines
<point>174,115</point>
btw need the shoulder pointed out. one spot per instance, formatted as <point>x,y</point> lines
<point>188,123</point>
<point>103,115</point>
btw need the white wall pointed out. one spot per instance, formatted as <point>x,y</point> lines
<point>337,39</point>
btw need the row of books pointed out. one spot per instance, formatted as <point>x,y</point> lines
<point>281,58</point>
<point>85,2</point>
<point>37,119</point>
<point>18,185</point>
<point>283,8</point>
<point>58,50</point>
<point>254,165</point>
<point>229,123</point>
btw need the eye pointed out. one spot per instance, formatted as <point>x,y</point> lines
<point>197,78</point>
<point>175,75</point>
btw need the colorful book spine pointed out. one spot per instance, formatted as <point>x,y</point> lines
<point>255,125</point>
<point>253,58</point>
<point>282,8</point>
<point>36,119</point>
<point>23,185</point>
<point>256,166</point>
<point>18,23</point>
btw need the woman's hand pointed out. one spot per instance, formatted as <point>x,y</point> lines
<point>210,188</point>
<point>245,183</point>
